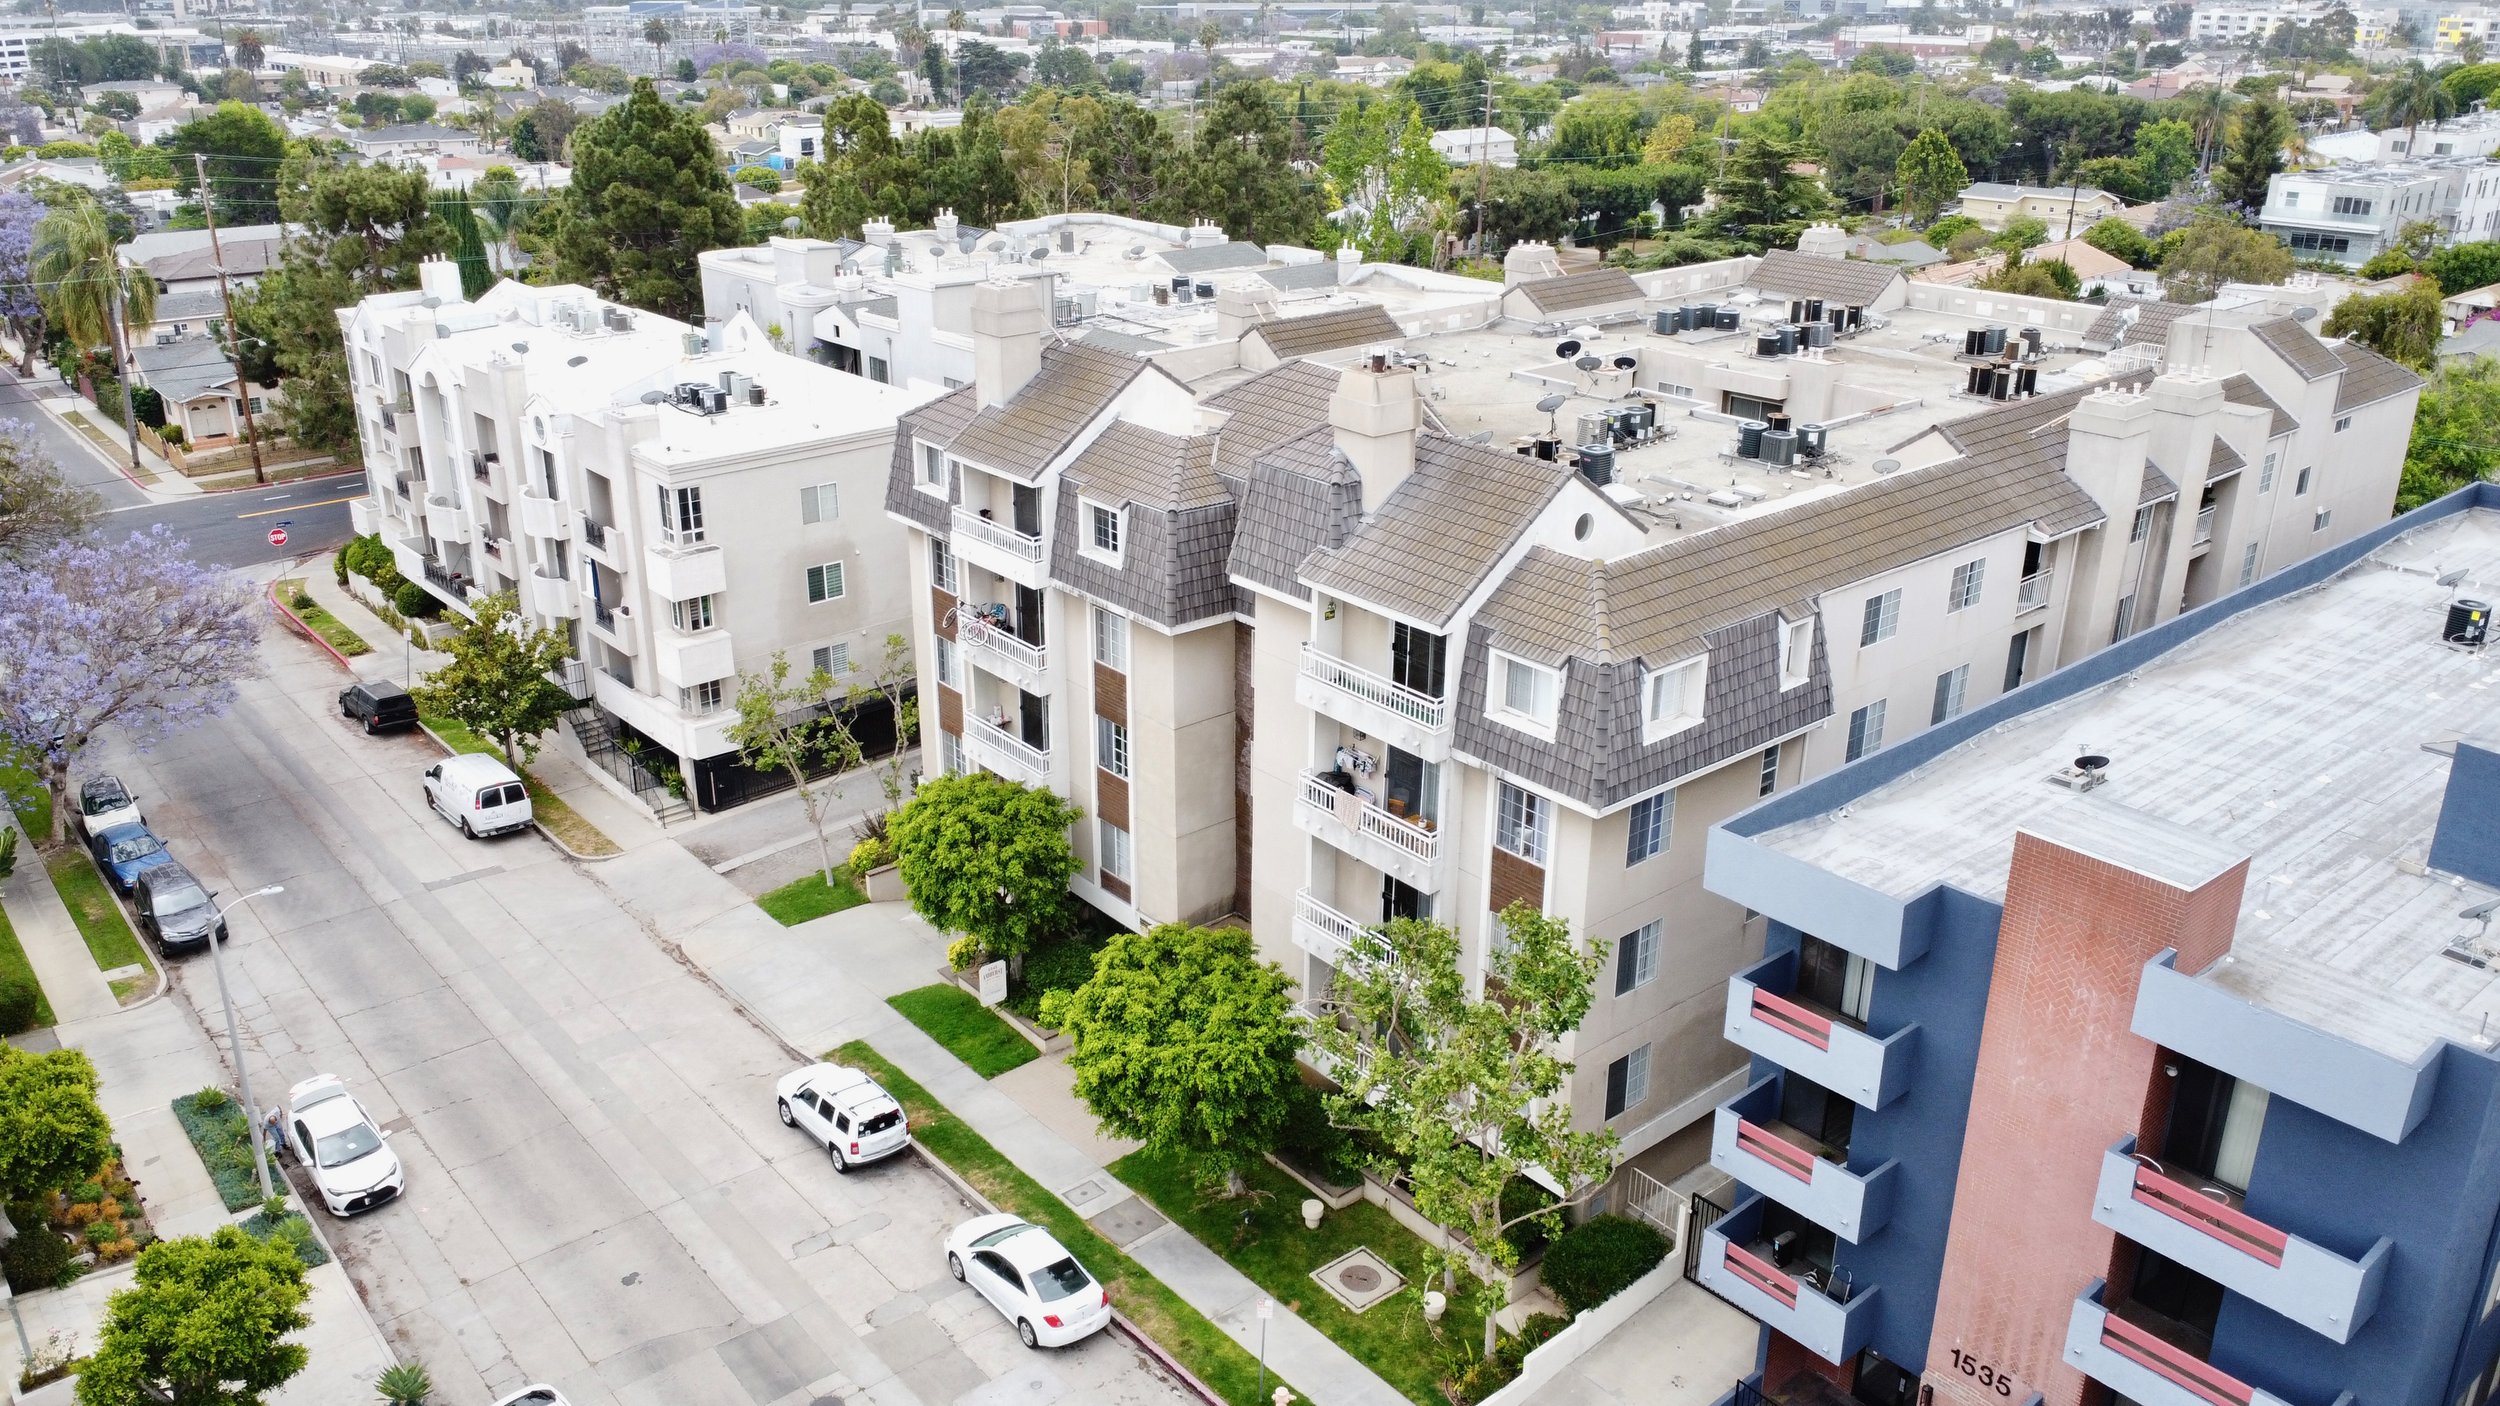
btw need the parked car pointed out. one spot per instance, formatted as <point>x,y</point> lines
<point>540,1395</point>
<point>379,705</point>
<point>477,793</point>
<point>104,802</point>
<point>332,1136</point>
<point>123,851</point>
<point>845,1110</point>
<point>1029,1278</point>
<point>176,911</point>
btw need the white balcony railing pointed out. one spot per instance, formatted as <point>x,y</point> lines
<point>1328,934</point>
<point>1422,709</point>
<point>1001,751</point>
<point>983,635</point>
<point>2033,594</point>
<point>992,533</point>
<point>2205,523</point>
<point>1365,818</point>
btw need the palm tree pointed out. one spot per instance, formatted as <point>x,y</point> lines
<point>94,298</point>
<point>656,34</point>
<point>2470,51</point>
<point>2207,105</point>
<point>2414,96</point>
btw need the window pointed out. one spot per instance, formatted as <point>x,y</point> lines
<point>942,566</point>
<point>1102,531</point>
<point>1111,746</point>
<point>2342,423</point>
<point>1866,729</point>
<point>681,515</point>
<point>1636,958</point>
<point>1883,616</point>
<point>2143,523</point>
<point>1796,651</point>
<point>1522,822</point>
<point>2312,242</point>
<point>701,698</point>
<point>252,405</point>
<point>1115,851</point>
<point>1652,827</point>
<point>2248,564</point>
<point>1627,1082</point>
<point>1528,691</point>
<point>1110,639</point>
<point>2351,205</point>
<point>691,615</point>
<point>2265,476</point>
<point>835,659</point>
<point>1674,698</point>
<point>1834,977</point>
<point>946,664</point>
<point>824,582</point>
<point>1950,687</point>
<point>933,468</point>
<point>1770,770</point>
<point>2125,624</point>
<point>876,369</point>
<point>2325,516</point>
<point>820,502</point>
<point>2291,200</point>
<point>1418,659</point>
<point>2300,484</point>
<point>1964,592</point>
<point>951,753</point>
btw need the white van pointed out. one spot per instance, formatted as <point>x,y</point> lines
<point>477,793</point>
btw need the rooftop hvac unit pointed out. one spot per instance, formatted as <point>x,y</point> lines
<point>1766,343</point>
<point>1086,304</point>
<point>1163,296</point>
<point>1777,419</point>
<point>739,386</point>
<point>1206,290</point>
<point>2031,344</point>
<point>1814,310</point>
<point>1996,341</point>
<point>1974,341</point>
<point>1810,440</point>
<point>1788,338</point>
<point>2468,624</point>
<point>615,319</point>
<point>1726,319</point>
<point>1749,438</point>
<point>1818,333</point>
<point>1067,241</point>
<point>1667,320</point>
<point>1597,463</point>
<point>1779,447</point>
<point>755,394</point>
<point>693,343</point>
<point>715,401</point>
<point>1594,429</point>
<point>1063,310</point>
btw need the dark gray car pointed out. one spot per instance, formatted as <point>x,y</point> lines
<point>176,911</point>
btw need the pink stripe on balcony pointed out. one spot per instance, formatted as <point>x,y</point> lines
<point>2173,1364</point>
<point>1788,1016</point>
<point>2231,1226</point>
<point>1770,1147</point>
<point>1762,1275</point>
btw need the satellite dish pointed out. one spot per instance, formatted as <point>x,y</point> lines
<point>653,397</point>
<point>1567,350</point>
<point>2304,314</point>
<point>964,242</point>
<point>1135,251</point>
<point>1585,333</point>
<point>522,347</point>
<point>2452,578</point>
<point>996,246</point>
<point>578,361</point>
<point>433,302</point>
<point>1038,255</point>
<point>790,225</point>
<point>1589,363</point>
<point>1626,363</point>
<point>1552,403</point>
<point>1481,437</point>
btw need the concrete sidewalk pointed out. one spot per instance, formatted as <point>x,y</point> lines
<point>155,473</point>
<point>62,963</point>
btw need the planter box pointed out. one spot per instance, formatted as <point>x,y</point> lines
<point>1049,1042</point>
<point>1401,1207</point>
<point>1334,1198</point>
<point>884,885</point>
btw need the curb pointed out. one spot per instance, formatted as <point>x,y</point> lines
<point>310,633</point>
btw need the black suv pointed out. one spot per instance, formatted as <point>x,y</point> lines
<point>176,911</point>
<point>380,705</point>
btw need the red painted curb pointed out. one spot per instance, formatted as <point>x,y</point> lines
<point>309,632</point>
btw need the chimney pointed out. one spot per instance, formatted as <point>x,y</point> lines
<point>440,279</point>
<point>1829,241</point>
<point>1204,234</point>
<point>1239,309</point>
<point>1376,413</point>
<point>1528,261</point>
<point>944,227</point>
<point>1008,318</point>
<point>879,232</point>
<point>1349,258</point>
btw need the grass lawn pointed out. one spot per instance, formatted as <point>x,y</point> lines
<point>1391,1337</point>
<point>956,1019</point>
<point>801,899</point>
<point>99,917</point>
<point>13,963</point>
<point>28,798</point>
<point>1158,1312</point>
<point>548,808</point>
<point>323,623</point>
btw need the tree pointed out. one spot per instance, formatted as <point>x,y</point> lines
<point>131,635</point>
<point>2120,240</point>
<point>539,134</point>
<point>53,1134</point>
<point>2456,432</point>
<point>2048,278</point>
<point>648,194</point>
<point>497,683</point>
<point>987,858</point>
<point>2462,268</point>
<point>1241,173</point>
<point>985,68</point>
<point>1466,1092</point>
<point>204,1323</point>
<point>248,52</point>
<point>655,32</point>
<point>2255,155</point>
<point>39,507</point>
<point>2216,250</point>
<point>1931,173</point>
<point>1763,198</point>
<point>21,303</point>
<point>243,147</point>
<point>95,298</point>
<point>801,728</point>
<point>2020,233</point>
<point>2410,98</point>
<point>2404,327</point>
<point>1185,1041</point>
<point>468,243</point>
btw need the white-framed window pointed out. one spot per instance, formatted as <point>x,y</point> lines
<point>1111,639</point>
<point>1522,822</point>
<point>1627,1083</point>
<point>2143,523</point>
<point>1111,746</point>
<point>1673,698</point>
<point>1636,957</point>
<point>2248,563</point>
<point>1964,592</point>
<point>1796,651</point>
<point>2352,205</point>
<point>1652,827</point>
<point>693,614</point>
<point>2325,516</point>
<point>1882,618</point>
<point>1103,530</point>
<point>947,669</point>
<point>825,583</point>
<point>835,659</point>
<point>820,502</point>
<point>1770,770</point>
<point>1866,729</point>
<point>681,515</point>
<point>1951,687</point>
<point>2300,484</point>
<point>1528,693</point>
<point>942,567</point>
<point>700,698</point>
<point>1115,851</point>
<point>2125,625</point>
<point>2265,476</point>
<point>932,470</point>
<point>951,753</point>
<point>2342,423</point>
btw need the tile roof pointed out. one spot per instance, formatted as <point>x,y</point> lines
<point>2242,390</point>
<point>1129,463</point>
<point>2156,486</point>
<point>2223,462</point>
<point>2151,322</point>
<point>1851,282</point>
<point>1176,564</point>
<point>1073,385</point>
<point>2299,350</point>
<point>1213,257</point>
<point>2027,438</point>
<point>1439,533</point>
<point>1269,409</point>
<point>2368,377</point>
<point>1366,324</point>
<point>1125,343</point>
<point>938,422</point>
<point>1573,291</point>
<point>1298,497</point>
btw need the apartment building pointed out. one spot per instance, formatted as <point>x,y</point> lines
<point>684,505</point>
<point>1347,637</point>
<point>2351,211</point>
<point>2127,1039</point>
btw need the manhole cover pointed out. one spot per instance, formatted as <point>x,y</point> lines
<point>1358,1279</point>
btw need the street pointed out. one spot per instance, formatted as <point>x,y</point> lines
<point>599,1193</point>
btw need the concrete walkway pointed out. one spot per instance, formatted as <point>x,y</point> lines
<point>62,963</point>
<point>1685,1347</point>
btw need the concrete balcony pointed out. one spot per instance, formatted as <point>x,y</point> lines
<point>1749,1143</point>
<point>1829,1049</point>
<point>446,516</point>
<point>1405,719</point>
<point>2033,592</point>
<point>2205,524</point>
<point>686,659</point>
<point>543,516</point>
<point>1326,933</point>
<point>2133,1359</point>
<point>1414,854</point>
<point>686,571</point>
<point>2201,1226</point>
<point>614,626</point>
<point>602,539</point>
<point>998,649</point>
<point>989,543</point>
<point>999,750</point>
<point>1739,1269</point>
<point>553,596</point>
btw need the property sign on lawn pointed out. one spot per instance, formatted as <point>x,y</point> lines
<point>993,983</point>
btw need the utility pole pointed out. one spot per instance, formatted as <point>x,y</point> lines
<point>1484,163</point>
<point>234,334</point>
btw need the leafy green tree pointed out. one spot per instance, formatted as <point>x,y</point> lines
<point>2456,432</point>
<point>986,68</point>
<point>77,262</point>
<point>1605,128</point>
<point>2387,263</point>
<point>1763,199</point>
<point>801,727</point>
<point>539,134</point>
<point>204,1323</point>
<point>496,683</point>
<point>1931,173</point>
<point>2462,268</point>
<point>2216,250</point>
<point>648,194</point>
<point>2165,154</point>
<point>988,858</point>
<point>1241,173</point>
<point>243,146</point>
<point>1520,203</point>
<point>248,50</point>
<point>2255,155</point>
<point>502,210</point>
<point>2047,278</point>
<point>2120,240</point>
<point>2404,326</point>
<point>53,1134</point>
<point>2021,232</point>
<point>2413,96</point>
<point>1184,1040</point>
<point>1465,1092</point>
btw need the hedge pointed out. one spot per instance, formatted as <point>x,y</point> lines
<point>1598,1258</point>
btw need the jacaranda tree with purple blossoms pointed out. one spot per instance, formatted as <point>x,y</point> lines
<point>20,308</point>
<point>131,635</point>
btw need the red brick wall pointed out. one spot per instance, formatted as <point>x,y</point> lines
<point>2060,1078</point>
<point>1783,1361</point>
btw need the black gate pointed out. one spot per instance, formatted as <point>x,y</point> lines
<point>1706,1213</point>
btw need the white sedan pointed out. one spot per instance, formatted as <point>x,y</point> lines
<point>332,1136</point>
<point>1029,1278</point>
<point>844,1111</point>
<point>540,1395</point>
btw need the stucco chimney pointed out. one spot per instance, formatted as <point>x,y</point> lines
<point>440,279</point>
<point>879,232</point>
<point>1009,316</point>
<point>1829,241</point>
<point>944,227</point>
<point>1528,261</point>
<point>1205,233</point>
<point>1375,414</point>
<point>1238,309</point>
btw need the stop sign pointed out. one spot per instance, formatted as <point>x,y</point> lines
<point>277,536</point>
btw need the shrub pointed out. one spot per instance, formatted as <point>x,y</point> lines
<point>18,997</point>
<point>871,854</point>
<point>36,1259</point>
<point>1317,1146</point>
<point>338,564</point>
<point>1480,1379</point>
<point>1520,1197</point>
<point>763,178</point>
<point>210,1100</point>
<point>1594,1260</point>
<point>1533,1334</point>
<point>411,600</point>
<point>302,600</point>
<point>964,953</point>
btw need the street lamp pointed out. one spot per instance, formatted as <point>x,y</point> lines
<point>234,1039</point>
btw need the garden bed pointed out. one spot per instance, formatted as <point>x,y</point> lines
<point>969,1030</point>
<point>100,1221</point>
<point>222,1134</point>
<point>291,1230</point>
<point>802,899</point>
<point>318,620</point>
<point>1040,1037</point>
<point>101,922</point>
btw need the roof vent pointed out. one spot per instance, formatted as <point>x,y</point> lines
<point>2087,773</point>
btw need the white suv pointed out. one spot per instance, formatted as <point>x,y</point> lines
<point>843,1109</point>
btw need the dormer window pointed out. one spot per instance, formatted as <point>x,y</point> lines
<point>1796,651</point>
<point>1105,531</point>
<point>932,470</point>
<point>1525,695</point>
<point>1672,698</point>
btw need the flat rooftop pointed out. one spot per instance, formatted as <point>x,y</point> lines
<point>2294,733</point>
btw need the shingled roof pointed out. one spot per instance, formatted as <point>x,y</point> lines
<point>1129,463</point>
<point>2299,350</point>
<point>2223,462</point>
<point>1298,497</point>
<point>1851,282</point>
<point>2150,322</point>
<point>937,422</point>
<point>1595,288</point>
<point>1175,565</point>
<point>1441,531</point>
<point>1268,409</point>
<point>2240,389</point>
<point>1366,324</point>
<point>1073,385</point>
<point>2368,377</point>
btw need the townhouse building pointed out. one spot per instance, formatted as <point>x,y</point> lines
<point>683,505</point>
<point>2352,210</point>
<point>2126,1039</point>
<point>1345,637</point>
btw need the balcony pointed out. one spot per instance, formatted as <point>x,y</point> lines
<point>1002,751</point>
<point>2205,524</point>
<point>684,572</point>
<point>446,516</point>
<point>2033,593</point>
<point>685,659</point>
<point>987,542</point>
<point>481,467</point>
<point>1409,850</point>
<point>594,533</point>
<point>987,642</point>
<point>1827,1048</point>
<point>2202,1226</point>
<point>542,516</point>
<point>1326,933</point>
<point>2132,1355</point>
<point>1405,719</point>
<point>1739,1269</point>
<point>1750,1144</point>
<point>615,626</point>
<point>552,596</point>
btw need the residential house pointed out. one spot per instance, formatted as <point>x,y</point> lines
<point>1472,146</point>
<point>203,398</point>
<point>1994,204</point>
<point>181,260</point>
<point>412,143</point>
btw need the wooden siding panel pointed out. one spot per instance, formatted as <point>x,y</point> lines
<point>1513,879</point>
<point>1111,798</point>
<point>1111,694</point>
<point>942,606</point>
<point>950,710</point>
